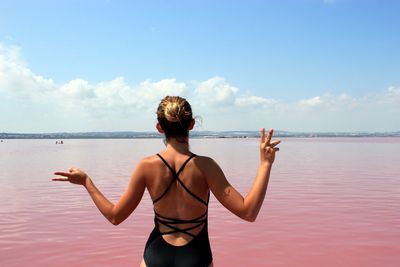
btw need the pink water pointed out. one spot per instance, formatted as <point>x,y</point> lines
<point>330,202</point>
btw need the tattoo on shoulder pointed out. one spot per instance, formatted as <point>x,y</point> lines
<point>227,192</point>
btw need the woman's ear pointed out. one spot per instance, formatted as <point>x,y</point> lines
<point>159,129</point>
<point>191,125</point>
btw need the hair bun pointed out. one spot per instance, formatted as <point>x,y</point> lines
<point>172,112</point>
<point>175,116</point>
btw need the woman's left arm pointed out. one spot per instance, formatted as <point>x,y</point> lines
<point>115,213</point>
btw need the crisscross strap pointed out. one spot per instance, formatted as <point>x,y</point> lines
<point>176,178</point>
<point>172,223</point>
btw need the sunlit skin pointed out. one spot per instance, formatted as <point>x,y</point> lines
<point>200,175</point>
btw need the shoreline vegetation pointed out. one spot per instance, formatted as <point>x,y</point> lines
<point>194,134</point>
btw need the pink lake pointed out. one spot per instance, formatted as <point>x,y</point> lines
<point>330,202</point>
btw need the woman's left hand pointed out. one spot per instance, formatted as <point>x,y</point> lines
<point>75,176</point>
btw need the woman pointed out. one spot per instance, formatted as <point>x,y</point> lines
<point>179,183</point>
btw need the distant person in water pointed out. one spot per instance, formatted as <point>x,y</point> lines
<point>179,183</point>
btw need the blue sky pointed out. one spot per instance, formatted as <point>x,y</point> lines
<point>293,65</point>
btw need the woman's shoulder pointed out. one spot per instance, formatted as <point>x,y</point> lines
<point>149,160</point>
<point>204,161</point>
<point>203,158</point>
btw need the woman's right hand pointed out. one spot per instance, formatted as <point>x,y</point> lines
<point>267,148</point>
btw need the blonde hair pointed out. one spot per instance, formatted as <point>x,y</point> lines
<point>174,115</point>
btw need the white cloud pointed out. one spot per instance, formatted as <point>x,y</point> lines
<point>329,102</point>
<point>16,79</point>
<point>390,96</point>
<point>311,102</point>
<point>394,91</point>
<point>110,105</point>
<point>77,88</point>
<point>151,93</point>
<point>248,100</point>
<point>215,92</point>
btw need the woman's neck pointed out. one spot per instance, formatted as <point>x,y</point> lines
<point>180,146</point>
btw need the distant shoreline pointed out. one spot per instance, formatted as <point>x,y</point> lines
<point>194,134</point>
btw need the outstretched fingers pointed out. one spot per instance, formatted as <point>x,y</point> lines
<point>262,135</point>
<point>65,174</point>
<point>267,140</point>
<point>60,179</point>
<point>269,136</point>
<point>274,143</point>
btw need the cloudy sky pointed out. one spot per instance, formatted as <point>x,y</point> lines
<point>330,65</point>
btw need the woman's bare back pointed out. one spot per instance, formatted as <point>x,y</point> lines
<point>182,198</point>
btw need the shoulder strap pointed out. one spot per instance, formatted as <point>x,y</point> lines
<point>180,169</point>
<point>176,177</point>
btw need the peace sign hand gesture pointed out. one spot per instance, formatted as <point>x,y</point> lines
<point>267,148</point>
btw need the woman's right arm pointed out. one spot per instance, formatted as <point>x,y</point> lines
<point>248,207</point>
<point>115,213</point>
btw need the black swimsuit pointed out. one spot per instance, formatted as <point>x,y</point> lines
<point>159,253</point>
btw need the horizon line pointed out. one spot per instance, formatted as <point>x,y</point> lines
<point>204,131</point>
